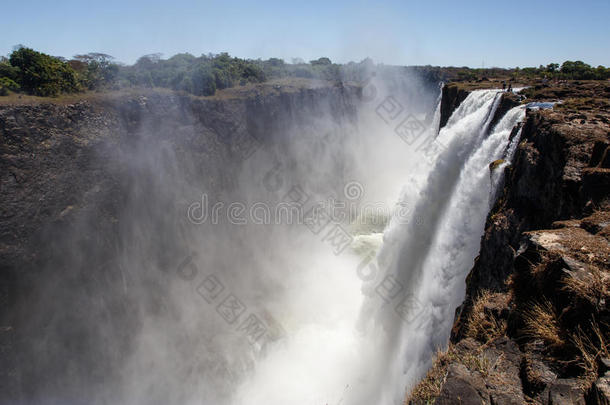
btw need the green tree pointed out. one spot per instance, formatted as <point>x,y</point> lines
<point>43,75</point>
<point>602,73</point>
<point>321,61</point>
<point>203,81</point>
<point>552,67</point>
<point>9,71</point>
<point>577,70</point>
<point>96,69</point>
<point>276,62</point>
<point>7,84</point>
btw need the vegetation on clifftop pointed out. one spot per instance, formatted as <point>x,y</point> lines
<point>36,73</point>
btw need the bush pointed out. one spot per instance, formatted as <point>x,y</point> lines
<point>466,75</point>
<point>201,76</point>
<point>96,70</point>
<point>9,71</point>
<point>203,81</point>
<point>321,61</point>
<point>572,70</point>
<point>577,70</point>
<point>43,75</point>
<point>7,84</point>
<point>302,72</point>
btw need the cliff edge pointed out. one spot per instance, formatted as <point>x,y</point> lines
<point>535,324</point>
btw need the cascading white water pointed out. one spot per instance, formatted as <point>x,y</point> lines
<point>170,315</point>
<point>438,285</point>
<point>351,345</point>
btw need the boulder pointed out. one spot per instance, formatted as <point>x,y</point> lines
<point>464,387</point>
<point>502,380</point>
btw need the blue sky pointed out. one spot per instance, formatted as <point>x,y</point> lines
<point>459,33</point>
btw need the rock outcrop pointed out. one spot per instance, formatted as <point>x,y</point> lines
<point>451,97</point>
<point>453,94</point>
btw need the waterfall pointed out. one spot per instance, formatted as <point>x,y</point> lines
<point>225,308</point>
<point>432,260</point>
<point>362,340</point>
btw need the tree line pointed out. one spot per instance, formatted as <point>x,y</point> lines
<point>568,70</point>
<point>36,73</point>
<point>31,72</point>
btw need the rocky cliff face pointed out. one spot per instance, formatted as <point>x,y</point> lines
<point>535,325</point>
<point>451,97</point>
<point>535,322</point>
<point>72,176</point>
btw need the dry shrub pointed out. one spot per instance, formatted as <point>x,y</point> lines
<point>481,325</point>
<point>592,286</point>
<point>541,322</point>
<point>592,346</point>
<point>429,388</point>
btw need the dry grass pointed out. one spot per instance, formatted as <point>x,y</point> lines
<point>285,85</point>
<point>25,99</point>
<point>541,322</point>
<point>475,362</point>
<point>429,388</point>
<point>592,286</point>
<point>592,347</point>
<point>580,104</point>
<point>481,325</point>
<point>89,95</point>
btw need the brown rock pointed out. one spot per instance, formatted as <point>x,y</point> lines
<point>536,374</point>
<point>503,382</point>
<point>464,387</point>
<point>565,391</point>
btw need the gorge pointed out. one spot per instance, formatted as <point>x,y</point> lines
<point>388,204</point>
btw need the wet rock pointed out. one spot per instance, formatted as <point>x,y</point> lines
<point>495,164</point>
<point>507,101</point>
<point>451,98</point>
